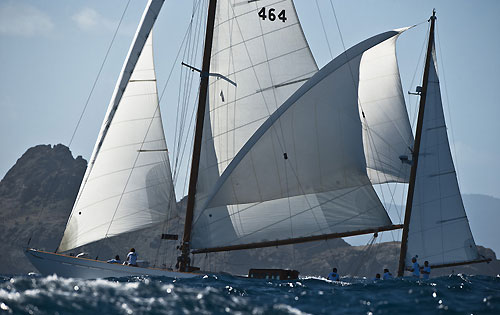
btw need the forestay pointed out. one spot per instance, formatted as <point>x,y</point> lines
<point>303,172</point>
<point>439,230</point>
<point>387,132</point>
<point>129,185</point>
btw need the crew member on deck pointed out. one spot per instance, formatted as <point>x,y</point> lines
<point>131,258</point>
<point>116,260</point>
<point>387,275</point>
<point>334,276</point>
<point>426,271</point>
<point>415,268</point>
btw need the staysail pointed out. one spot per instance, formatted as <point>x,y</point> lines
<point>387,132</point>
<point>439,230</point>
<point>128,183</point>
<point>303,172</point>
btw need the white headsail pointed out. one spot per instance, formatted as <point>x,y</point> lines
<point>387,132</point>
<point>128,183</point>
<point>303,172</point>
<point>439,230</point>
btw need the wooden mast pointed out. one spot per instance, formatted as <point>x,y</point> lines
<point>416,148</point>
<point>184,260</point>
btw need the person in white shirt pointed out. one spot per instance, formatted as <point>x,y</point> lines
<point>131,258</point>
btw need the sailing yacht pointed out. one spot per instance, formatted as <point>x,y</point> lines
<point>283,152</point>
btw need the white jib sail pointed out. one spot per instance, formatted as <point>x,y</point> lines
<point>387,132</point>
<point>303,172</point>
<point>439,231</point>
<point>128,184</point>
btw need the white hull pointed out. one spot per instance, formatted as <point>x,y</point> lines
<point>73,267</point>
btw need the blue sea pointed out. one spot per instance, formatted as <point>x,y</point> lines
<point>221,294</point>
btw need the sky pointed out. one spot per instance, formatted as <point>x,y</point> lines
<point>51,52</point>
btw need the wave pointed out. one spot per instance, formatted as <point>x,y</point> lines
<point>34,294</point>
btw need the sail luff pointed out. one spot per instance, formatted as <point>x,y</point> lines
<point>200,116</point>
<point>416,149</point>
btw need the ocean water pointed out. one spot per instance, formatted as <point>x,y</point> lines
<point>220,294</point>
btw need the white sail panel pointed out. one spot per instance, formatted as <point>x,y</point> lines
<point>439,231</point>
<point>255,53</point>
<point>129,185</point>
<point>343,210</point>
<point>387,132</point>
<point>309,149</point>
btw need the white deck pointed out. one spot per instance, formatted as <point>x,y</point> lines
<point>73,267</point>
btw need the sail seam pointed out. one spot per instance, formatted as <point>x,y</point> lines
<point>125,193</point>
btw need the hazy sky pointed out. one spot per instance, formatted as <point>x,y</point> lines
<point>51,51</point>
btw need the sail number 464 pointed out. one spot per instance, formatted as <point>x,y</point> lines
<point>271,15</point>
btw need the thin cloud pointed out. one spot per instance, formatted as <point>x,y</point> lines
<point>18,19</point>
<point>89,19</point>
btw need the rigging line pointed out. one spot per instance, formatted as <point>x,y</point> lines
<point>185,79</point>
<point>364,254</point>
<point>235,88</point>
<point>253,67</point>
<point>98,75</point>
<point>455,155</point>
<point>188,90</point>
<point>324,30</point>
<point>186,141</point>
<point>175,63</point>
<point>418,67</point>
<point>281,143</point>
<point>299,213</point>
<point>131,171</point>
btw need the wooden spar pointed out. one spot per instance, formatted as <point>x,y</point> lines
<point>296,240</point>
<point>416,149</point>
<point>200,116</point>
<point>486,260</point>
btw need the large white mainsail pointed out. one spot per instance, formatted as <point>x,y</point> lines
<point>256,53</point>
<point>128,183</point>
<point>303,172</point>
<point>246,50</point>
<point>439,230</point>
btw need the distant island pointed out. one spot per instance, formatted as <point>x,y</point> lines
<point>37,194</point>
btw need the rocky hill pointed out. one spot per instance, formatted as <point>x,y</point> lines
<point>37,194</point>
<point>35,197</point>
